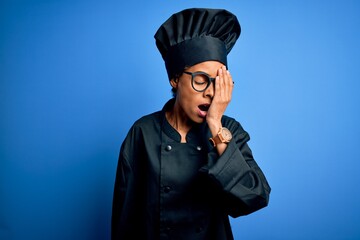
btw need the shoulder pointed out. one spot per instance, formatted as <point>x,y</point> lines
<point>146,125</point>
<point>142,129</point>
<point>235,128</point>
<point>231,123</point>
<point>148,120</point>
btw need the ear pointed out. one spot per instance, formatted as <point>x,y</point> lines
<point>174,82</point>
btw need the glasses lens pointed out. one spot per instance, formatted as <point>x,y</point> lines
<point>200,81</point>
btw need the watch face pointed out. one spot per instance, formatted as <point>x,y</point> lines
<point>226,134</point>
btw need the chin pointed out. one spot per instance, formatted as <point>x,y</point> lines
<point>198,120</point>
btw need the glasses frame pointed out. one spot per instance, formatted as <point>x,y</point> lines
<point>194,74</point>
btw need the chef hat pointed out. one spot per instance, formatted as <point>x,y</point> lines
<point>196,35</point>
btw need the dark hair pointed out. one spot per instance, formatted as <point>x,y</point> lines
<point>173,92</point>
<point>176,78</point>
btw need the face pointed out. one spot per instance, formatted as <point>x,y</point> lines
<point>190,104</point>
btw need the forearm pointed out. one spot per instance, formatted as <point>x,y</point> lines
<point>214,129</point>
<point>241,180</point>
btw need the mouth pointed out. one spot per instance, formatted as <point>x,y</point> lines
<point>204,107</point>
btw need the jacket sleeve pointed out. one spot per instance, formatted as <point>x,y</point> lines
<point>124,171</point>
<point>243,184</point>
<point>124,198</point>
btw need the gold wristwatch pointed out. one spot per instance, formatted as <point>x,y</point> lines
<point>223,136</point>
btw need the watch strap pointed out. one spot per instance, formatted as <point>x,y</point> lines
<point>215,140</point>
<point>218,138</point>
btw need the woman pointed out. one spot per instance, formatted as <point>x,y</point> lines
<point>183,170</point>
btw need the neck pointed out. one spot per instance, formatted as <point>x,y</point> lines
<point>179,121</point>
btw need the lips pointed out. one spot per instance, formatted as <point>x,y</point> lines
<point>203,108</point>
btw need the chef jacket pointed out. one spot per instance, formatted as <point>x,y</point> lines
<point>165,189</point>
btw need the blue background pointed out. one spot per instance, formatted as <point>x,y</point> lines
<point>76,74</point>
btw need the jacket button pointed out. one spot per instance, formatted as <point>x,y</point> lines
<point>198,148</point>
<point>167,189</point>
<point>168,148</point>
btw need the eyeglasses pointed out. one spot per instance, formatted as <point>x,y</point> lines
<point>200,81</point>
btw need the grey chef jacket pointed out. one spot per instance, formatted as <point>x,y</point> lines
<point>165,189</point>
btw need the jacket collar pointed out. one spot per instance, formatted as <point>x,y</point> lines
<point>194,135</point>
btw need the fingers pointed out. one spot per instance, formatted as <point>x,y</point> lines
<point>222,96</point>
<point>224,84</point>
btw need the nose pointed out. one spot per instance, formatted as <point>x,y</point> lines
<point>209,92</point>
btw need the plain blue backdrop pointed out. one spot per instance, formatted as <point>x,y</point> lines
<point>76,74</point>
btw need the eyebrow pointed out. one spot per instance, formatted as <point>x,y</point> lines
<point>202,72</point>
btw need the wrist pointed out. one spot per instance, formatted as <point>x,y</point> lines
<point>214,127</point>
<point>222,136</point>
